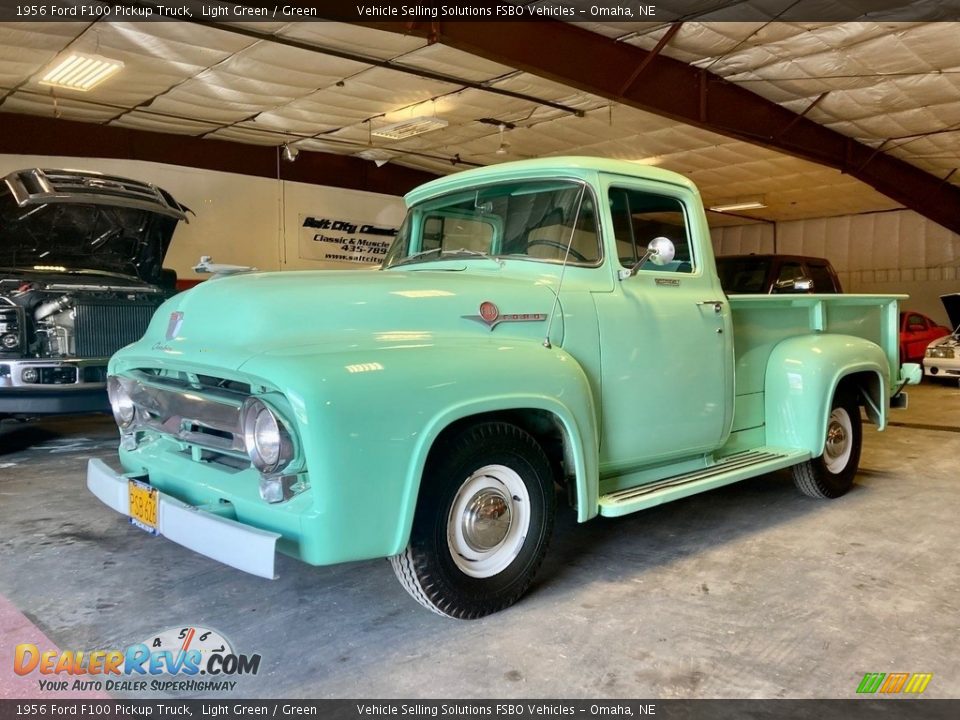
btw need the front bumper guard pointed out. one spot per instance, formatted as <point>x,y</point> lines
<point>227,541</point>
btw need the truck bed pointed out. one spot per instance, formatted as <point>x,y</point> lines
<point>760,322</point>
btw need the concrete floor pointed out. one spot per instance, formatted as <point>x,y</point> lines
<point>749,591</point>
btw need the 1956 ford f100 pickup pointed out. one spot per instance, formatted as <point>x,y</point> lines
<point>541,323</point>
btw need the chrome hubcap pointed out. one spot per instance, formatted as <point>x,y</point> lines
<point>836,438</point>
<point>836,451</point>
<point>486,519</point>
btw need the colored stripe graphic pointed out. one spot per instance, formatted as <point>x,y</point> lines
<point>913,683</point>
<point>894,682</point>
<point>918,682</point>
<point>871,682</point>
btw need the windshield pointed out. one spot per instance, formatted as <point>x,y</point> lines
<point>68,236</point>
<point>532,220</point>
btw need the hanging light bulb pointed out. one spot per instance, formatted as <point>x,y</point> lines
<point>502,150</point>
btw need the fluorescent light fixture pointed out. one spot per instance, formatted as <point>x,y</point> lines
<point>409,128</point>
<point>79,71</point>
<point>733,207</point>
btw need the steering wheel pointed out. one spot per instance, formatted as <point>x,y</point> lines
<point>559,246</point>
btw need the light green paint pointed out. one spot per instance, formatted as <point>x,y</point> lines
<point>373,366</point>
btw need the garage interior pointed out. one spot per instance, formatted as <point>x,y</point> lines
<point>841,139</point>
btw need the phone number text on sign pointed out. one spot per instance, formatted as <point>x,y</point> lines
<point>342,240</point>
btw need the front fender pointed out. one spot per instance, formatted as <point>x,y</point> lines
<point>368,416</point>
<point>802,375</point>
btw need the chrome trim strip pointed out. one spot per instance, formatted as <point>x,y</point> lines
<point>737,461</point>
<point>227,395</point>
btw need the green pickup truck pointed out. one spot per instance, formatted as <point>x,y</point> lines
<point>553,322</point>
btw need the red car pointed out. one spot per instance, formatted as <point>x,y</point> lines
<point>916,332</point>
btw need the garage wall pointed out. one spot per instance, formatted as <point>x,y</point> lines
<point>239,219</point>
<point>887,252</point>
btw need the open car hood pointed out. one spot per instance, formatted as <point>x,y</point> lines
<point>74,220</point>
<point>951,304</point>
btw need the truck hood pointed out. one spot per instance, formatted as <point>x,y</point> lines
<point>70,221</point>
<point>226,321</point>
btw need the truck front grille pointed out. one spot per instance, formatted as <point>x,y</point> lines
<point>103,328</point>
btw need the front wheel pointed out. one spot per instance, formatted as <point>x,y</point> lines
<point>831,475</point>
<point>482,523</point>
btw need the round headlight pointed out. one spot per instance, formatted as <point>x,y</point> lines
<point>121,403</point>
<point>267,441</point>
<point>9,342</point>
<point>29,375</point>
<point>266,437</point>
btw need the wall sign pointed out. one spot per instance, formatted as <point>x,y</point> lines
<point>337,239</point>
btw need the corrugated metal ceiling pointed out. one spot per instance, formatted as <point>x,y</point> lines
<point>895,86</point>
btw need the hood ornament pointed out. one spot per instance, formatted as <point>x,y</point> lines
<point>490,315</point>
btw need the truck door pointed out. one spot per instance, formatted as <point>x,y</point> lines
<point>666,339</point>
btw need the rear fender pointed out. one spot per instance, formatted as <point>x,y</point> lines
<point>803,374</point>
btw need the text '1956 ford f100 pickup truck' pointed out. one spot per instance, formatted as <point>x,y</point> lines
<point>541,323</point>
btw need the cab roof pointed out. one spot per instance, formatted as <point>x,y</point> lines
<point>585,168</point>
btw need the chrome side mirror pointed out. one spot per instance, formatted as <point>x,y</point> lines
<point>660,251</point>
<point>794,285</point>
<point>911,373</point>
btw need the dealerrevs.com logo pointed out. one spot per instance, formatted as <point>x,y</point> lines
<point>169,661</point>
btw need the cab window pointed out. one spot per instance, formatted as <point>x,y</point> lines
<point>915,323</point>
<point>639,217</point>
<point>822,279</point>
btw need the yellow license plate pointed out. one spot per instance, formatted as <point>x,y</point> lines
<point>144,506</point>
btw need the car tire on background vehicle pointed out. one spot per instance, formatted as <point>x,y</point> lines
<point>482,523</point>
<point>831,475</point>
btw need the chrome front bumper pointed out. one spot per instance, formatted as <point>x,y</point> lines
<point>227,541</point>
<point>55,374</point>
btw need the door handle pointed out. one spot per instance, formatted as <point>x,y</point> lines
<point>717,304</point>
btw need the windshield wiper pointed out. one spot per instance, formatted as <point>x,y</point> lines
<point>448,253</point>
<point>422,253</point>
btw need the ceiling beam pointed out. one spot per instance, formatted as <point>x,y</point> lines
<point>588,61</point>
<point>661,44</point>
<point>32,135</point>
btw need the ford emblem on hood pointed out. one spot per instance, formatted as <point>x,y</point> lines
<point>173,326</point>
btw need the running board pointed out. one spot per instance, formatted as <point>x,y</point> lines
<point>730,469</point>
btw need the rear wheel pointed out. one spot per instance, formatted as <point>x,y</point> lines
<point>482,523</point>
<point>831,475</point>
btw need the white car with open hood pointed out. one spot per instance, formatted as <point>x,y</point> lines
<point>942,358</point>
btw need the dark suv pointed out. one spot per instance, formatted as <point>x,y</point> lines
<point>765,274</point>
<point>80,276</point>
